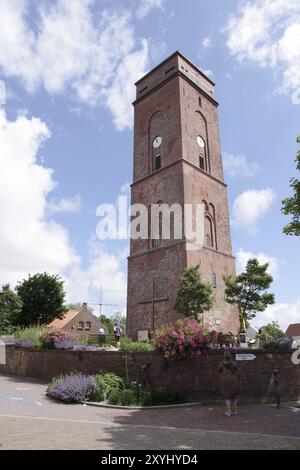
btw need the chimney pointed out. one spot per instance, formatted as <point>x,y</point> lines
<point>84,306</point>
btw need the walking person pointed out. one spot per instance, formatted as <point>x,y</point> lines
<point>117,333</point>
<point>229,383</point>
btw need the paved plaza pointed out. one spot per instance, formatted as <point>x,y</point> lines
<point>29,420</point>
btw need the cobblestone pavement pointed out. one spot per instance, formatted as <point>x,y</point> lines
<point>29,420</point>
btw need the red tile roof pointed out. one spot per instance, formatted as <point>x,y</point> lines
<point>293,330</point>
<point>60,323</point>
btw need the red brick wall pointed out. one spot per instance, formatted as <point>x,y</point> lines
<point>197,379</point>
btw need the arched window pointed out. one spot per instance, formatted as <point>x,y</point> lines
<point>208,230</point>
<point>88,325</point>
<point>202,138</point>
<point>203,153</point>
<point>80,325</point>
<point>155,136</point>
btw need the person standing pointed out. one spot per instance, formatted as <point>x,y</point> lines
<point>102,335</point>
<point>229,383</point>
<point>117,333</point>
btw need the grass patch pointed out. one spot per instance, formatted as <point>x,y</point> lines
<point>128,345</point>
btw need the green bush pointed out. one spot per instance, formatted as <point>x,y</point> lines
<point>127,345</point>
<point>128,397</point>
<point>114,397</point>
<point>159,396</point>
<point>107,383</point>
<point>274,344</point>
<point>97,395</point>
<point>33,333</point>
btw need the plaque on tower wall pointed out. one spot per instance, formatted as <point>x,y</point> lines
<point>143,335</point>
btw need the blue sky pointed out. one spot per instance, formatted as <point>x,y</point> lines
<point>67,73</point>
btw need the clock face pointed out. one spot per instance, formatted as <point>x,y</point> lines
<point>200,142</point>
<point>157,142</point>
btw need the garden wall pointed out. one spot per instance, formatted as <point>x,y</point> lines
<point>197,379</point>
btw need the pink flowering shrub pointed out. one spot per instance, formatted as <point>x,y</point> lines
<point>184,337</point>
<point>57,339</point>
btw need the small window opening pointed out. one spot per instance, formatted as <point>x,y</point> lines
<point>157,162</point>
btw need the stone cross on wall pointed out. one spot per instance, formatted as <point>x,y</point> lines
<point>153,300</point>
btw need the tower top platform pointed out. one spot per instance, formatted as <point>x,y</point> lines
<point>175,64</point>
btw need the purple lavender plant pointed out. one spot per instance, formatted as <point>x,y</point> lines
<point>64,343</point>
<point>24,343</point>
<point>73,388</point>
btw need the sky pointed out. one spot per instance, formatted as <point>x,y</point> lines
<point>67,74</point>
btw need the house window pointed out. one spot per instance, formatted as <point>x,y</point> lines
<point>157,162</point>
<point>88,325</point>
<point>80,325</point>
<point>214,280</point>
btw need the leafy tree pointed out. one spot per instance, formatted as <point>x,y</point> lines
<point>193,295</point>
<point>272,330</point>
<point>248,291</point>
<point>43,299</point>
<point>10,307</point>
<point>291,205</point>
<point>108,322</point>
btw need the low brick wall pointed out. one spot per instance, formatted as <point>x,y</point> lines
<point>197,379</point>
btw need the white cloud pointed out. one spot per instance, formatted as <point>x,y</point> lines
<point>28,241</point>
<point>2,93</point>
<point>238,165</point>
<point>206,42</point>
<point>71,204</point>
<point>146,6</point>
<point>228,76</point>
<point>209,73</point>
<point>285,314</point>
<point>242,258</point>
<point>119,94</point>
<point>125,188</point>
<point>104,268</point>
<point>250,206</point>
<point>267,32</point>
<point>76,49</point>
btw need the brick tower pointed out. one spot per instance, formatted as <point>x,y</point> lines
<point>177,159</point>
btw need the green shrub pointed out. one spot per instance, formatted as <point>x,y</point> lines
<point>107,382</point>
<point>34,333</point>
<point>128,397</point>
<point>97,395</point>
<point>127,345</point>
<point>159,396</point>
<point>114,397</point>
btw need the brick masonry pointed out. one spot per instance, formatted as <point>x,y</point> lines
<point>197,379</point>
<point>176,101</point>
